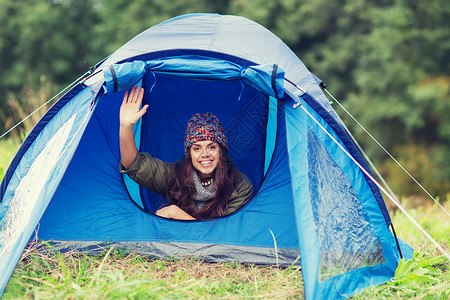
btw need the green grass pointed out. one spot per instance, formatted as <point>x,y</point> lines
<point>8,148</point>
<point>427,275</point>
<point>117,275</point>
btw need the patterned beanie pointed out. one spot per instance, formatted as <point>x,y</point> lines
<point>202,127</point>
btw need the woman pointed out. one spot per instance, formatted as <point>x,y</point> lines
<point>204,185</point>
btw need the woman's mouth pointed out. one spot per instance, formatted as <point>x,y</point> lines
<point>206,163</point>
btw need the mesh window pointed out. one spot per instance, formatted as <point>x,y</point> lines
<point>346,239</point>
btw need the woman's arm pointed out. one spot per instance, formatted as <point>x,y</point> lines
<point>130,113</point>
<point>174,212</point>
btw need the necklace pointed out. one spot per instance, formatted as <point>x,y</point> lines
<point>207,183</point>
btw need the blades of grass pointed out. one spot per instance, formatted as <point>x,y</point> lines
<point>297,268</point>
<point>82,265</point>
<point>432,261</point>
<point>101,266</point>
<point>276,248</point>
<point>39,280</point>
<point>66,272</point>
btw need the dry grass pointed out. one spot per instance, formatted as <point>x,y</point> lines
<point>22,105</point>
<point>117,275</point>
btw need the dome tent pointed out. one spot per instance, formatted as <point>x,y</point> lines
<point>310,199</point>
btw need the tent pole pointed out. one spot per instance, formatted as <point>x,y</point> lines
<point>396,240</point>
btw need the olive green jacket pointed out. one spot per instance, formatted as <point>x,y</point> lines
<point>154,174</point>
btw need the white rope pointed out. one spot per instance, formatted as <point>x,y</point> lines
<point>56,96</point>
<point>366,157</point>
<point>392,157</point>
<point>23,120</point>
<point>379,186</point>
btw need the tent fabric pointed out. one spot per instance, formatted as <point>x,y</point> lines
<point>311,202</point>
<point>37,175</point>
<point>212,253</point>
<point>214,33</point>
<point>324,222</point>
<point>351,148</point>
<point>268,78</point>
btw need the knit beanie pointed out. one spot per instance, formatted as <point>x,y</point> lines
<point>202,127</point>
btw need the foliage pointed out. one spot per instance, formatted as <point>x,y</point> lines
<point>424,276</point>
<point>50,38</point>
<point>427,275</point>
<point>387,59</point>
<point>426,163</point>
<point>8,147</point>
<point>27,112</point>
<point>401,88</point>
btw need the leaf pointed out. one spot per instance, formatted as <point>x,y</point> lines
<point>403,267</point>
<point>432,261</point>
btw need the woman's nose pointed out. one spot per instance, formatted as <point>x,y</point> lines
<point>205,152</point>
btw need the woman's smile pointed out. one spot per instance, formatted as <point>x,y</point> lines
<point>206,163</point>
<point>205,156</point>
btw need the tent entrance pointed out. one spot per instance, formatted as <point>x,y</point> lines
<point>242,109</point>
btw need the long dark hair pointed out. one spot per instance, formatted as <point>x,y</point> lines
<point>182,188</point>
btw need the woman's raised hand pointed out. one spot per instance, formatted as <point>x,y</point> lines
<point>130,111</point>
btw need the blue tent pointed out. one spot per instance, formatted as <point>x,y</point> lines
<point>311,200</point>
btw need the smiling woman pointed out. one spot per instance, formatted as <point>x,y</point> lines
<point>204,185</point>
<point>205,156</point>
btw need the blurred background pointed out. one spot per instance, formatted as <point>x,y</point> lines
<point>386,61</point>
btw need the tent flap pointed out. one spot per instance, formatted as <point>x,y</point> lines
<point>267,78</point>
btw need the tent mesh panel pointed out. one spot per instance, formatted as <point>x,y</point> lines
<point>346,239</point>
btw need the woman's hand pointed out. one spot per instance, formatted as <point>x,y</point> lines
<point>130,111</point>
<point>173,212</point>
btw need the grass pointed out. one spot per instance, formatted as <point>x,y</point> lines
<point>8,148</point>
<point>427,275</point>
<point>118,275</point>
<point>115,275</point>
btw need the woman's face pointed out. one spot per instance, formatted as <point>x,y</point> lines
<point>205,157</point>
